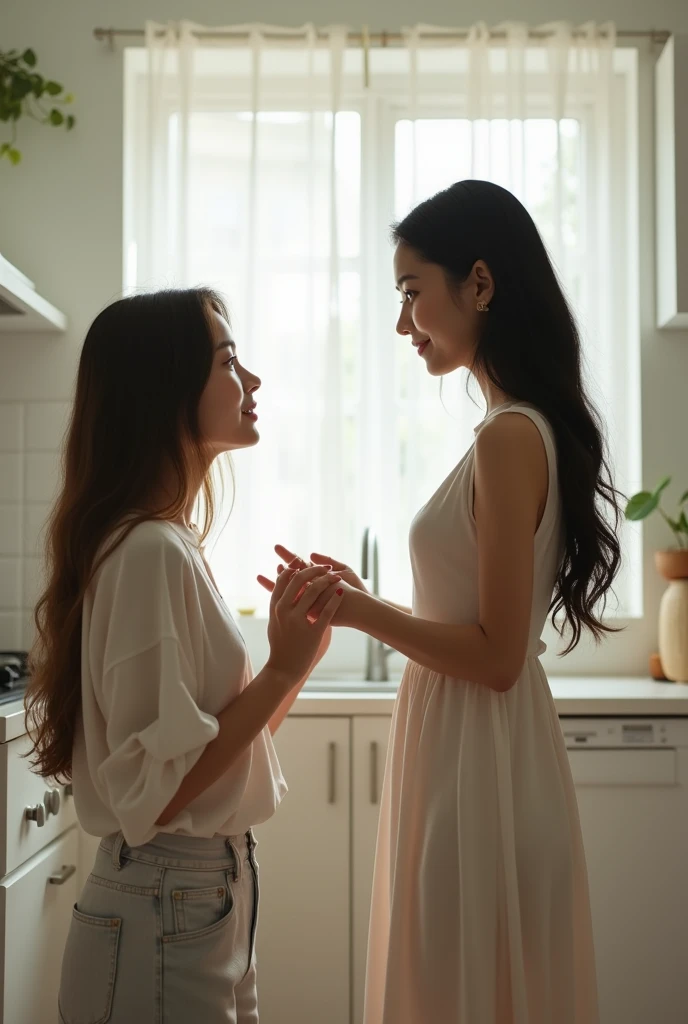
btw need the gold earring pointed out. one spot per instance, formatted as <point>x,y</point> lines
<point>483,307</point>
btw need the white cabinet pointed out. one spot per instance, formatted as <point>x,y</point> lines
<point>35,912</point>
<point>20,792</point>
<point>303,945</point>
<point>369,752</point>
<point>21,307</point>
<point>39,883</point>
<point>316,859</point>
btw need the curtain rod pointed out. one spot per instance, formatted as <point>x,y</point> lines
<point>656,36</point>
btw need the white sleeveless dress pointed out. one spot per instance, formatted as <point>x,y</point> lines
<point>480,911</point>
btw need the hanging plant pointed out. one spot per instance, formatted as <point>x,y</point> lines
<point>23,92</point>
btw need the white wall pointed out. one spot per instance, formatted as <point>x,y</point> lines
<point>60,223</point>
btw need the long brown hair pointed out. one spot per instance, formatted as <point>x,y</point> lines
<point>143,367</point>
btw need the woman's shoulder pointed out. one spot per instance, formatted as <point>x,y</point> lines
<point>156,535</point>
<point>511,429</point>
<point>515,447</point>
<point>150,548</point>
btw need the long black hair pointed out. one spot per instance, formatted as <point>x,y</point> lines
<point>530,349</point>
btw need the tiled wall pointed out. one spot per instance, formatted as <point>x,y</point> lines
<point>31,435</point>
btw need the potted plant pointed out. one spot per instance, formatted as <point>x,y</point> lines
<point>23,92</point>
<point>672,563</point>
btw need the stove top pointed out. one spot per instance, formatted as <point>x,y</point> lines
<point>14,675</point>
<point>12,689</point>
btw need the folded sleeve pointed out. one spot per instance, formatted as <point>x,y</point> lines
<point>155,735</point>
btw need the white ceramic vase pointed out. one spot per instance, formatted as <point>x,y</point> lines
<point>673,614</point>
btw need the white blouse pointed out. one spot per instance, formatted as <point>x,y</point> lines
<point>160,657</point>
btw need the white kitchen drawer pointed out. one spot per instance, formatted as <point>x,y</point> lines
<point>21,789</point>
<point>35,914</point>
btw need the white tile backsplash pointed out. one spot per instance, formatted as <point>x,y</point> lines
<point>10,584</point>
<point>35,516</point>
<point>31,436</point>
<point>33,581</point>
<point>27,630</point>
<point>10,631</point>
<point>45,425</point>
<point>10,426</point>
<point>41,476</point>
<point>11,529</point>
<point>10,477</point>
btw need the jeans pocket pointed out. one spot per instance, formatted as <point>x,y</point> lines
<point>89,966</point>
<point>199,910</point>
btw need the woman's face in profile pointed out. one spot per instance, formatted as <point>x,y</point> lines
<point>442,323</point>
<point>226,415</point>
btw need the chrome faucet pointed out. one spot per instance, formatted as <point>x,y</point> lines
<point>376,652</point>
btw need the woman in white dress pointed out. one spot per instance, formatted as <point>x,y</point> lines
<point>142,691</point>
<point>480,911</point>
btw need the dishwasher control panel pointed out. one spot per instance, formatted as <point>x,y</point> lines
<point>624,732</point>
<point>638,733</point>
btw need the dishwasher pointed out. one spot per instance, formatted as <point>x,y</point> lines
<point>631,778</point>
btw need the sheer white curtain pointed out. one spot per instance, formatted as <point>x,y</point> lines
<point>268,167</point>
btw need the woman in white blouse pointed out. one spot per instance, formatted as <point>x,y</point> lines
<point>142,691</point>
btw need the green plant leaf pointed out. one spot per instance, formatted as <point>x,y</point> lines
<point>68,97</point>
<point>683,523</point>
<point>640,506</point>
<point>20,87</point>
<point>662,486</point>
<point>21,90</point>
<point>683,499</point>
<point>71,121</point>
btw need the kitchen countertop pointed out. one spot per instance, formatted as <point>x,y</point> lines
<point>575,696</point>
<point>585,696</point>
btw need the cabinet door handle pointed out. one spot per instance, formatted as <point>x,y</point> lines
<point>332,774</point>
<point>52,802</point>
<point>60,877</point>
<point>373,773</point>
<point>36,814</point>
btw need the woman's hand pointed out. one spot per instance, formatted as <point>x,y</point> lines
<point>302,606</point>
<point>292,561</point>
<point>345,614</point>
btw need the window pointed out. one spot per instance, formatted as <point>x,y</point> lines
<point>264,193</point>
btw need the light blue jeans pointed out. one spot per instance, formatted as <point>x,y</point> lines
<point>164,934</point>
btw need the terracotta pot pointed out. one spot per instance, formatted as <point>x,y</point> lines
<point>656,670</point>
<point>673,564</point>
<point>673,614</point>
